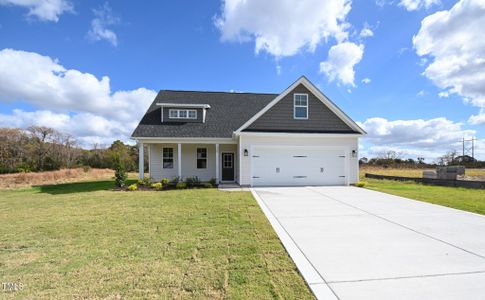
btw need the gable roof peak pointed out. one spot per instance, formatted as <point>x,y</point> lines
<point>319,94</point>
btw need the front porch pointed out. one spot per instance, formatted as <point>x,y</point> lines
<point>219,161</point>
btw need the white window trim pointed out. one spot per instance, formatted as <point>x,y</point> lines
<point>163,157</point>
<point>197,157</point>
<point>295,106</point>
<point>232,161</point>
<point>178,114</point>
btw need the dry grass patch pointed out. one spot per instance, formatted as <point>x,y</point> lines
<point>22,180</point>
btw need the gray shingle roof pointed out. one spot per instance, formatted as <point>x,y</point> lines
<point>228,112</point>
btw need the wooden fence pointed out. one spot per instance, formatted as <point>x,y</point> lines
<point>432,181</point>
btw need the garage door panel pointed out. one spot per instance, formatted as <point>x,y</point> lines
<point>297,166</point>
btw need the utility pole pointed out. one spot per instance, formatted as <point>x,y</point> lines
<point>463,153</point>
<point>473,148</point>
<point>470,150</point>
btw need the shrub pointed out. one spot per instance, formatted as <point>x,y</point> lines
<point>86,169</point>
<point>213,182</point>
<point>175,180</point>
<point>181,186</point>
<point>361,184</point>
<point>23,170</point>
<point>120,175</point>
<point>207,185</point>
<point>147,180</point>
<point>192,181</point>
<point>157,186</point>
<point>165,181</point>
<point>133,187</point>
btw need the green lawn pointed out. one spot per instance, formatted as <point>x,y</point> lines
<point>84,241</point>
<point>465,199</point>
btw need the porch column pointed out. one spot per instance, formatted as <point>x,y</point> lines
<point>179,160</point>
<point>141,163</point>
<point>217,163</point>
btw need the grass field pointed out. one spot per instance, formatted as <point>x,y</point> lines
<point>475,174</point>
<point>81,240</point>
<point>472,200</point>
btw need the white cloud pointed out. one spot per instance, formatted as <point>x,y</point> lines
<point>381,3</point>
<point>44,10</point>
<point>478,119</point>
<point>99,25</point>
<point>411,5</point>
<point>69,100</point>
<point>278,69</point>
<point>283,27</point>
<point>366,31</point>
<point>453,40</point>
<point>87,128</point>
<point>444,94</point>
<point>366,80</point>
<point>423,61</point>
<point>341,61</point>
<point>421,93</point>
<point>427,138</point>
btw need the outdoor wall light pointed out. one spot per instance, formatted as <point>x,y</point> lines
<point>246,153</point>
<point>354,153</point>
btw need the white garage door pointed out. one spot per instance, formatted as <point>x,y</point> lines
<point>297,166</point>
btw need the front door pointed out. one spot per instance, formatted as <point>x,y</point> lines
<point>227,166</point>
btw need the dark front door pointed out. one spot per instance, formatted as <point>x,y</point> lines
<point>227,166</point>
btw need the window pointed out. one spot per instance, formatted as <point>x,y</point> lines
<point>300,102</point>
<point>173,114</point>
<point>227,161</point>
<point>168,158</point>
<point>182,114</point>
<point>201,158</point>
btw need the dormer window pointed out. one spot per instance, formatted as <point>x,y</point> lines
<point>182,114</point>
<point>191,112</point>
<point>300,106</point>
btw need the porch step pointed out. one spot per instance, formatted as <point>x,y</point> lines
<point>232,187</point>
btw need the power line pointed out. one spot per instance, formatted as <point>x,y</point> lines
<point>467,149</point>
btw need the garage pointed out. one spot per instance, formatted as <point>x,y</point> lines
<point>297,166</point>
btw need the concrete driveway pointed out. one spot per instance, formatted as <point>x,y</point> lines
<point>353,243</point>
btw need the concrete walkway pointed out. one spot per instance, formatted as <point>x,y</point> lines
<point>353,243</point>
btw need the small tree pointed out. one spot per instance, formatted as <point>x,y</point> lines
<point>120,174</point>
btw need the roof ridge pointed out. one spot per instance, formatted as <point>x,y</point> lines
<point>218,92</point>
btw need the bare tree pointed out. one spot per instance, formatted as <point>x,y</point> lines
<point>40,136</point>
<point>389,155</point>
<point>448,159</point>
<point>71,153</point>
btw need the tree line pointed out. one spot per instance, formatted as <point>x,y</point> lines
<point>40,148</point>
<point>395,159</point>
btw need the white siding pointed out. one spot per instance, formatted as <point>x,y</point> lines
<point>189,161</point>
<point>243,176</point>
<point>347,143</point>
<point>155,163</point>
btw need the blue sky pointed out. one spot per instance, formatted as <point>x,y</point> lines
<point>55,53</point>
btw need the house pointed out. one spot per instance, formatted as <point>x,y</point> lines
<point>297,137</point>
